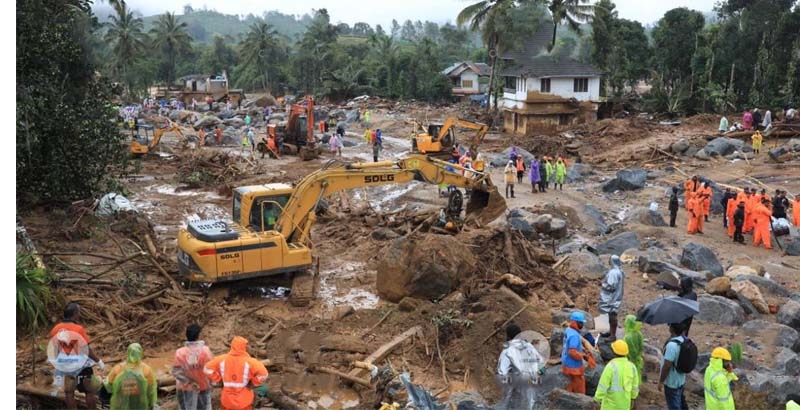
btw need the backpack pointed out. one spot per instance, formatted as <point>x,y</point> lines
<point>687,358</point>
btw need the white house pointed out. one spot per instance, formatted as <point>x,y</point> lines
<point>543,90</point>
<point>466,78</point>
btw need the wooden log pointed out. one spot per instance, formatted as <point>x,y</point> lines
<point>385,316</point>
<point>150,245</point>
<point>266,337</point>
<point>282,401</point>
<point>145,299</point>
<point>384,350</point>
<point>175,285</point>
<point>43,393</point>
<point>560,261</point>
<point>344,376</point>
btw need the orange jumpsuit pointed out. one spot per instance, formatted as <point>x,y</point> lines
<point>695,216</point>
<point>689,188</point>
<point>761,218</point>
<point>748,214</point>
<point>237,370</point>
<point>729,211</point>
<point>796,211</point>
<point>706,200</point>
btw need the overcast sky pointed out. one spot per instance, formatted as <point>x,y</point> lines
<point>383,11</point>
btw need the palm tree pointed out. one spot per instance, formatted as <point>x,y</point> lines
<point>126,38</point>
<point>386,51</point>
<point>483,16</point>
<point>170,36</point>
<point>575,12</point>
<point>261,49</point>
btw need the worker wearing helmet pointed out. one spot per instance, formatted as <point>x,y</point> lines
<point>619,384</point>
<point>719,374</point>
<point>573,355</point>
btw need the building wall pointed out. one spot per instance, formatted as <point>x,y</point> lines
<point>565,87</point>
<point>469,75</point>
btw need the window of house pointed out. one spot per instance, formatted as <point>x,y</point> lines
<point>581,85</point>
<point>544,85</point>
<point>466,83</point>
<point>511,83</point>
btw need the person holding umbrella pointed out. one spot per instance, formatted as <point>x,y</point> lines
<point>611,292</point>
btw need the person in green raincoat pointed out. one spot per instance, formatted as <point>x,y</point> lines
<point>635,341</point>
<point>716,381</point>
<point>548,166</point>
<point>561,173</point>
<point>619,384</point>
<point>132,384</point>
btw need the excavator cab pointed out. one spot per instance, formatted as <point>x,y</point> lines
<point>140,143</point>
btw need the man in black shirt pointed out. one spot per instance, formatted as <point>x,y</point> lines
<point>726,196</point>
<point>779,204</point>
<point>673,206</point>
<point>738,222</point>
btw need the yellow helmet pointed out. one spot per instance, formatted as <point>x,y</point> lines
<point>450,226</point>
<point>620,347</point>
<point>721,353</point>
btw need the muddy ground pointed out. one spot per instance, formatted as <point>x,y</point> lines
<point>77,245</point>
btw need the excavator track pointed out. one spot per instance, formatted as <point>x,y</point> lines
<point>303,284</point>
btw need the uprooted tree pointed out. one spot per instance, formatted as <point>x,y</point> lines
<point>66,138</point>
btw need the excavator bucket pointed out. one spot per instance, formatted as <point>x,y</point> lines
<point>486,205</point>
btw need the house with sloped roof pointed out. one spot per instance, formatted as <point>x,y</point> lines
<point>545,90</point>
<point>466,78</point>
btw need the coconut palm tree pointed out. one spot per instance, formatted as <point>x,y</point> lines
<point>574,12</point>
<point>483,16</point>
<point>126,37</point>
<point>260,49</point>
<point>171,36</point>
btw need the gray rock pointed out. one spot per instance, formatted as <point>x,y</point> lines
<point>702,155</point>
<point>563,316</point>
<point>502,159</point>
<point>680,146</point>
<point>556,339</point>
<point>225,114</point>
<point>524,227</point>
<point>207,121</point>
<point>764,284</point>
<point>777,387</point>
<point>719,310</point>
<point>235,122</point>
<point>654,174</point>
<point>789,314</point>
<point>587,262</point>
<point>542,223</point>
<point>777,153</point>
<point>558,228</point>
<point>593,377</point>
<point>703,359</point>
<point>699,258</point>
<point>618,244</point>
<point>600,224</point>
<point>562,399</point>
<point>646,216</point>
<point>384,234</point>
<point>650,260</point>
<point>721,146</point>
<point>792,248</point>
<point>787,362</point>
<point>691,151</point>
<point>627,180</point>
<point>746,304</point>
<point>577,172</point>
<point>785,336</point>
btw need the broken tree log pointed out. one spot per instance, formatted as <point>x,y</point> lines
<point>344,376</point>
<point>384,350</point>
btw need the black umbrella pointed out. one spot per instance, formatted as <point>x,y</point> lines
<point>670,309</point>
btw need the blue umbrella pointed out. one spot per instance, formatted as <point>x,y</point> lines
<point>670,309</point>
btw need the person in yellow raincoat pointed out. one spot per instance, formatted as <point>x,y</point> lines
<point>716,382</point>
<point>757,138</point>
<point>132,384</point>
<point>619,384</point>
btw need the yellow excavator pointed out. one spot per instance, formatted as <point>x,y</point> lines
<point>271,229</point>
<point>440,139</point>
<point>143,144</point>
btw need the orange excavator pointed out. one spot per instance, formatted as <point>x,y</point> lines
<point>439,140</point>
<point>294,136</point>
<point>143,144</point>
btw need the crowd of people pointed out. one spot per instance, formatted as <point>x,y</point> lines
<point>132,384</point>
<point>745,212</point>
<point>541,173</point>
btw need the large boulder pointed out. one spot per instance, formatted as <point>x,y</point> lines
<point>775,334</point>
<point>721,146</point>
<point>618,244</point>
<point>206,122</point>
<point>627,180</point>
<point>530,224</point>
<point>765,285</point>
<point>562,399</point>
<point>558,228</point>
<point>700,258</point>
<point>588,263</point>
<point>646,216</point>
<point>777,387</point>
<point>792,248</point>
<point>235,122</point>
<point>577,172</point>
<point>702,155</point>
<point>789,314</point>
<point>680,146</point>
<point>719,286</point>
<point>427,268</point>
<point>502,159</point>
<point>719,310</point>
<point>737,270</point>
<point>600,227</point>
<point>744,260</point>
<point>787,362</point>
<point>751,293</point>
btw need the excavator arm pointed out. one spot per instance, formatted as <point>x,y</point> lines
<point>160,133</point>
<point>298,215</point>
<point>476,140</point>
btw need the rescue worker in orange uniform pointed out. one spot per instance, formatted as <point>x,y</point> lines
<point>706,191</point>
<point>761,218</point>
<point>796,210</point>
<point>695,214</point>
<point>238,371</point>
<point>729,211</point>
<point>689,189</point>
<point>748,212</point>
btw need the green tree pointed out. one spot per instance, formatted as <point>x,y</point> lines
<point>126,37</point>
<point>316,53</point>
<point>674,39</point>
<point>385,52</point>
<point>259,52</point>
<point>170,36</point>
<point>573,12</point>
<point>66,138</point>
<point>218,57</point>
